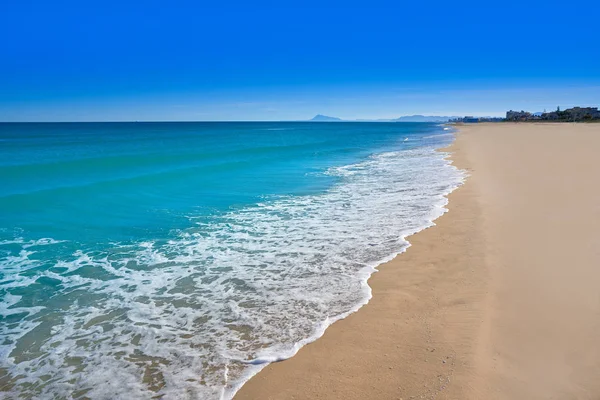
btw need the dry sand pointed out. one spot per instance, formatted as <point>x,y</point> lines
<point>500,300</point>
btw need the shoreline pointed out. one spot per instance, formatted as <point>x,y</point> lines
<point>477,307</point>
<point>368,272</point>
<point>253,388</point>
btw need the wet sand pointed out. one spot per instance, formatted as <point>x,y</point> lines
<point>499,300</point>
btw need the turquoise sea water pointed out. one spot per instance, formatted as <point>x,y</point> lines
<point>183,257</point>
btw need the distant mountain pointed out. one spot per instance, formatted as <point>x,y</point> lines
<point>407,118</point>
<point>423,118</point>
<point>324,118</point>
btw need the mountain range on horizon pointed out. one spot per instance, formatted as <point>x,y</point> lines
<point>406,118</point>
<point>324,118</point>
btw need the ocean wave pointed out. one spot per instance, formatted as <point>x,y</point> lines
<point>439,136</point>
<point>197,314</point>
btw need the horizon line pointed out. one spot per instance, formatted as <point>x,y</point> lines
<point>223,121</point>
<point>365,120</point>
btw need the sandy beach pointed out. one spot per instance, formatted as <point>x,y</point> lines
<point>499,300</point>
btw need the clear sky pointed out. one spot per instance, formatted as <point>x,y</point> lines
<point>68,60</point>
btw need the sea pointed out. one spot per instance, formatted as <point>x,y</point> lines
<point>176,260</point>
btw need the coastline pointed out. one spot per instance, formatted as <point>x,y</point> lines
<point>477,307</point>
<point>438,209</point>
<point>401,304</point>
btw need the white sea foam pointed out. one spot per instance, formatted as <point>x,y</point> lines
<point>440,136</point>
<point>196,315</point>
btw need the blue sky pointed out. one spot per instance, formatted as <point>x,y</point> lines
<point>158,60</point>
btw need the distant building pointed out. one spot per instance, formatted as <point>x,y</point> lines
<point>573,114</point>
<point>470,119</point>
<point>551,116</point>
<point>518,115</point>
<point>490,119</point>
<point>583,113</point>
